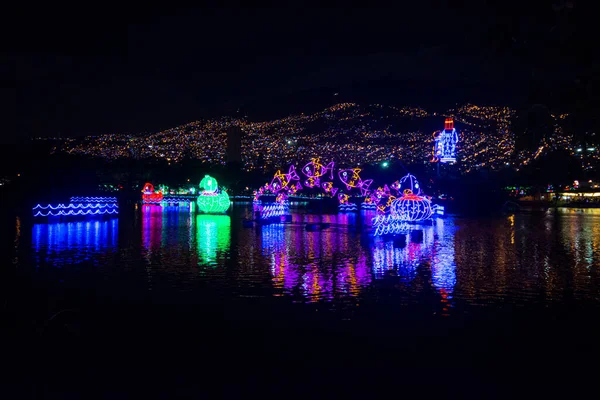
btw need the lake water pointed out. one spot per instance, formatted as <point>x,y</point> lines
<point>537,257</point>
<point>490,298</point>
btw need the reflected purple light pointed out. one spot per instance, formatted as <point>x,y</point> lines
<point>302,263</point>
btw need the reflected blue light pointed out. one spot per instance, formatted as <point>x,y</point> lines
<point>403,255</point>
<point>66,243</point>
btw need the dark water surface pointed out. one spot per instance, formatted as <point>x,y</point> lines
<point>197,303</point>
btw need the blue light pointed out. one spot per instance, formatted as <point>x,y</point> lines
<point>444,149</point>
<point>75,206</point>
<point>62,210</point>
<point>273,210</point>
<point>93,200</point>
<point>75,213</point>
<point>348,207</point>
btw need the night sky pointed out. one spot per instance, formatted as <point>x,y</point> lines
<point>75,72</point>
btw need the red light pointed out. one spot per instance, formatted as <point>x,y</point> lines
<point>449,124</point>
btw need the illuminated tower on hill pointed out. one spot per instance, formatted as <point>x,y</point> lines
<point>444,147</point>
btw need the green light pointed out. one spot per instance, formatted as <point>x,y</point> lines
<point>385,164</point>
<point>213,203</point>
<point>213,237</point>
<point>209,184</point>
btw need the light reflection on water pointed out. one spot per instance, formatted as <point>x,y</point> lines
<point>213,237</point>
<point>67,243</point>
<point>540,257</point>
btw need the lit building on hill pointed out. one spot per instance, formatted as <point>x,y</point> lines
<point>444,148</point>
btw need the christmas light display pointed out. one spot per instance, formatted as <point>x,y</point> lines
<point>76,206</point>
<point>370,202</point>
<point>389,225</point>
<point>177,200</point>
<point>285,185</point>
<point>407,182</point>
<point>328,188</point>
<point>281,197</point>
<point>348,207</point>
<point>212,200</point>
<point>281,181</point>
<point>75,213</point>
<point>444,148</point>
<point>383,198</point>
<point>209,184</point>
<point>351,178</point>
<point>314,170</point>
<point>273,210</point>
<point>78,209</point>
<point>368,206</point>
<point>411,207</point>
<point>149,196</point>
<point>74,200</point>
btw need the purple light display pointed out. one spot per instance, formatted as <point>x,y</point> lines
<point>380,199</point>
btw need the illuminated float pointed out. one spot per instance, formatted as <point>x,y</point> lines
<point>150,196</point>
<point>412,207</point>
<point>79,207</point>
<point>212,200</point>
<point>319,176</point>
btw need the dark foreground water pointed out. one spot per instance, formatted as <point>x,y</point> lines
<point>164,303</point>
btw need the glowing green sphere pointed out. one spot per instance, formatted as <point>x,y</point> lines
<point>209,184</point>
<point>216,203</point>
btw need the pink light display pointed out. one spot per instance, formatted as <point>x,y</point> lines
<point>150,196</point>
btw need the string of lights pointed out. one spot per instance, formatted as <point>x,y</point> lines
<point>75,213</point>
<point>93,199</point>
<point>75,206</point>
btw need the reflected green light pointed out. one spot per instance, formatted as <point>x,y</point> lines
<point>213,236</point>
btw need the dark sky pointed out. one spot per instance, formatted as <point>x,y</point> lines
<point>91,71</point>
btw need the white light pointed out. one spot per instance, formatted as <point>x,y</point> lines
<point>578,150</point>
<point>591,148</point>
